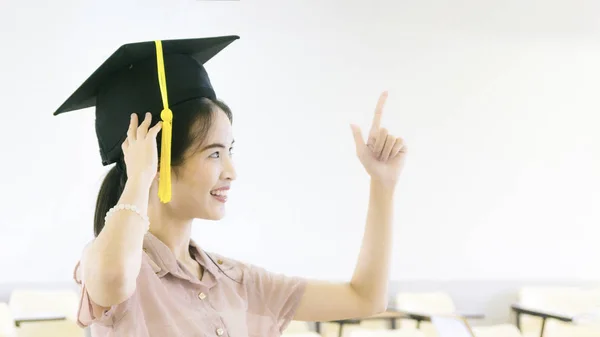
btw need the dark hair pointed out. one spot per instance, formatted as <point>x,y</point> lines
<point>191,122</point>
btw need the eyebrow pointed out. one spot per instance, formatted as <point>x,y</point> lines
<point>214,145</point>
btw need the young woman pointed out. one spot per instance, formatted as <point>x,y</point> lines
<point>143,275</point>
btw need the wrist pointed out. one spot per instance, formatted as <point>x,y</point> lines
<point>138,182</point>
<point>383,187</point>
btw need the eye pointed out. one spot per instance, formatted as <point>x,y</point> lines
<point>231,151</point>
<point>215,155</point>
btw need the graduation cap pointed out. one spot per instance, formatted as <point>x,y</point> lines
<point>142,77</point>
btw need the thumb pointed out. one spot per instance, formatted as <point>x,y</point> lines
<point>358,137</point>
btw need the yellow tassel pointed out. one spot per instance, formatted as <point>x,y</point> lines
<point>164,184</point>
<point>164,187</point>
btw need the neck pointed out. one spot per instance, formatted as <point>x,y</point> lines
<point>174,233</point>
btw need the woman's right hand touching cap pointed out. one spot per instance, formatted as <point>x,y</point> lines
<point>140,150</point>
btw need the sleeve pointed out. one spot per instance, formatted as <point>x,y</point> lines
<point>89,313</point>
<point>278,294</point>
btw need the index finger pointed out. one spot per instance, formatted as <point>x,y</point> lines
<point>379,111</point>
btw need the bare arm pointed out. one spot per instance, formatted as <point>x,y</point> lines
<point>367,293</point>
<point>370,279</point>
<point>112,262</point>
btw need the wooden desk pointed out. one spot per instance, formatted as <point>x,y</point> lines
<point>391,315</point>
<point>519,310</point>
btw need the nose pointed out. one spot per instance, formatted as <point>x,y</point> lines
<point>228,170</point>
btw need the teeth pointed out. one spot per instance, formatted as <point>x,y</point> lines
<point>219,193</point>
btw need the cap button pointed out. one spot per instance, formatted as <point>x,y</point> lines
<point>166,115</point>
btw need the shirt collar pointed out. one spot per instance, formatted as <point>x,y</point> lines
<point>205,260</point>
<point>166,262</point>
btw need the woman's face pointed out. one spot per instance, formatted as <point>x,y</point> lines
<point>199,189</point>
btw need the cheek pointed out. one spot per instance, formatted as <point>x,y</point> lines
<point>192,193</point>
<point>204,179</point>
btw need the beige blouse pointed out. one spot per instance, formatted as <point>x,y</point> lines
<point>242,300</point>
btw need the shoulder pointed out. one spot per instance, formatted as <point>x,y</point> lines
<point>250,273</point>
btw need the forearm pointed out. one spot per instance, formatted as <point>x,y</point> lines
<point>113,261</point>
<point>371,274</point>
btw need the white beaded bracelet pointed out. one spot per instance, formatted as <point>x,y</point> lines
<point>127,207</point>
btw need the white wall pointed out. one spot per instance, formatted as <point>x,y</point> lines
<point>498,101</point>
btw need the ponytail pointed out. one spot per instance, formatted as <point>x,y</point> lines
<point>110,192</point>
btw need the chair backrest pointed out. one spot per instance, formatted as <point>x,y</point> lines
<point>558,299</point>
<point>402,332</point>
<point>434,303</point>
<point>7,323</point>
<point>499,330</point>
<point>25,302</point>
<point>430,303</point>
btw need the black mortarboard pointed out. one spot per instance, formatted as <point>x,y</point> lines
<point>146,77</point>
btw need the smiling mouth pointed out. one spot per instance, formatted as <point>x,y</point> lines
<point>220,195</point>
